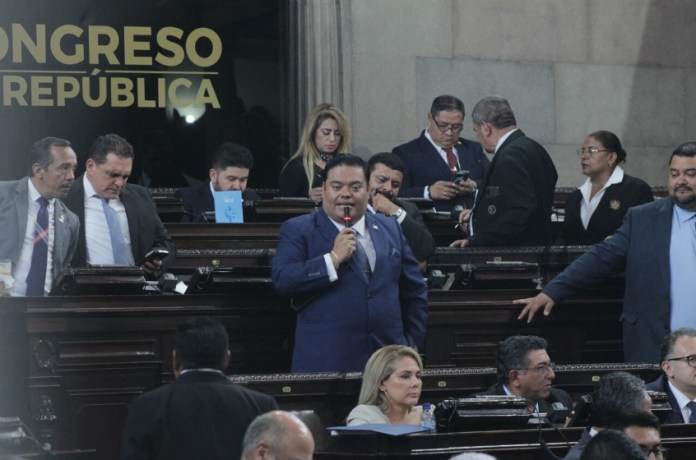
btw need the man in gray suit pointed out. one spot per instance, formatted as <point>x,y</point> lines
<point>51,174</point>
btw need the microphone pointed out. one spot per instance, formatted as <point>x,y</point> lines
<point>346,216</point>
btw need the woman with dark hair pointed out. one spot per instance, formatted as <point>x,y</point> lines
<point>595,210</point>
<point>326,132</point>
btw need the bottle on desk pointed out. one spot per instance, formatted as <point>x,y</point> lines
<point>428,417</point>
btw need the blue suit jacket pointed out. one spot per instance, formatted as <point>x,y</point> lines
<point>424,166</point>
<point>641,248</point>
<point>344,322</point>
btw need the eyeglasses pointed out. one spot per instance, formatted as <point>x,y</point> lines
<point>444,127</point>
<point>589,150</point>
<point>690,360</point>
<point>542,369</point>
<point>659,451</point>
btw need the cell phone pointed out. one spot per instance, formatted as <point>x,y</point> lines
<point>460,177</point>
<point>155,254</point>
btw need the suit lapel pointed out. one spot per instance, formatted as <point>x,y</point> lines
<point>60,242</point>
<point>21,200</point>
<point>129,204</point>
<point>433,156</point>
<point>662,238</point>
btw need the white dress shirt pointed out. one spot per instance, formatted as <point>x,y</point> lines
<point>363,238</point>
<point>97,234</point>
<point>589,205</point>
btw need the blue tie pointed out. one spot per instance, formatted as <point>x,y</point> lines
<point>362,260</point>
<point>118,242</point>
<point>692,406</point>
<point>36,279</point>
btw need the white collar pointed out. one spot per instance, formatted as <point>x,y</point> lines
<point>503,138</point>
<point>359,226</point>
<point>35,195</point>
<point>616,178</point>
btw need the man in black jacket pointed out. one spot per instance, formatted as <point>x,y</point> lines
<point>524,369</point>
<point>201,414</point>
<point>386,173</point>
<point>514,207</point>
<point>120,224</point>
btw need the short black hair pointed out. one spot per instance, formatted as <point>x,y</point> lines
<point>611,142</point>
<point>616,395</point>
<point>345,159</point>
<point>110,143</point>
<point>201,342</point>
<point>667,346</point>
<point>512,354</point>
<point>41,152</point>
<point>612,445</point>
<point>687,149</point>
<point>232,155</point>
<point>639,418</point>
<point>388,159</point>
<point>446,103</point>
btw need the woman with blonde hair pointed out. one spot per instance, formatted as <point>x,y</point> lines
<point>390,389</point>
<point>326,133</point>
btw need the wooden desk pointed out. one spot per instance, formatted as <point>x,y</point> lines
<point>504,445</point>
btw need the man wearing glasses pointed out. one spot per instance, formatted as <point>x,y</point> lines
<point>524,369</point>
<point>678,356</point>
<point>434,158</point>
<point>656,249</point>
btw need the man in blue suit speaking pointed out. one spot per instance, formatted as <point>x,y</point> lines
<point>352,275</point>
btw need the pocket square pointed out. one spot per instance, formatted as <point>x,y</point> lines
<point>394,252</point>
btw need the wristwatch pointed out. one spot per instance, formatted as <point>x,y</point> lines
<point>397,215</point>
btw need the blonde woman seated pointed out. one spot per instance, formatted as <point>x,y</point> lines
<point>390,389</point>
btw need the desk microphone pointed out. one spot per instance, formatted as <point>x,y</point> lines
<point>346,216</point>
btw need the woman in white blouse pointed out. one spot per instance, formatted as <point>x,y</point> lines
<point>595,210</point>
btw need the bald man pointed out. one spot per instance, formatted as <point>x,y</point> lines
<point>278,435</point>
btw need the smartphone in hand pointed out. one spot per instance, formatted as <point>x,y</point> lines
<point>155,254</point>
<point>460,177</point>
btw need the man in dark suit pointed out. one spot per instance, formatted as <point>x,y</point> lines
<point>615,398</point>
<point>514,208</point>
<point>385,176</point>
<point>201,414</point>
<point>51,174</point>
<point>655,248</point>
<point>230,170</point>
<point>432,159</point>
<point>353,277</point>
<point>678,356</point>
<point>524,369</point>
<point>120,224</point>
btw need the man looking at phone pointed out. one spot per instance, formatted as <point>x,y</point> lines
<point>120,224</point>
<point>432,160</point>
<point>386,173</point>
<point>514,207</point>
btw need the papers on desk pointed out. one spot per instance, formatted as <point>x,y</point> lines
<point>383,428</point>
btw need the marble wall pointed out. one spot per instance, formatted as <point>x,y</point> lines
<point>568,67</point>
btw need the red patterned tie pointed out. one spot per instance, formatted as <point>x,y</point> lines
<point>451,159</point>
